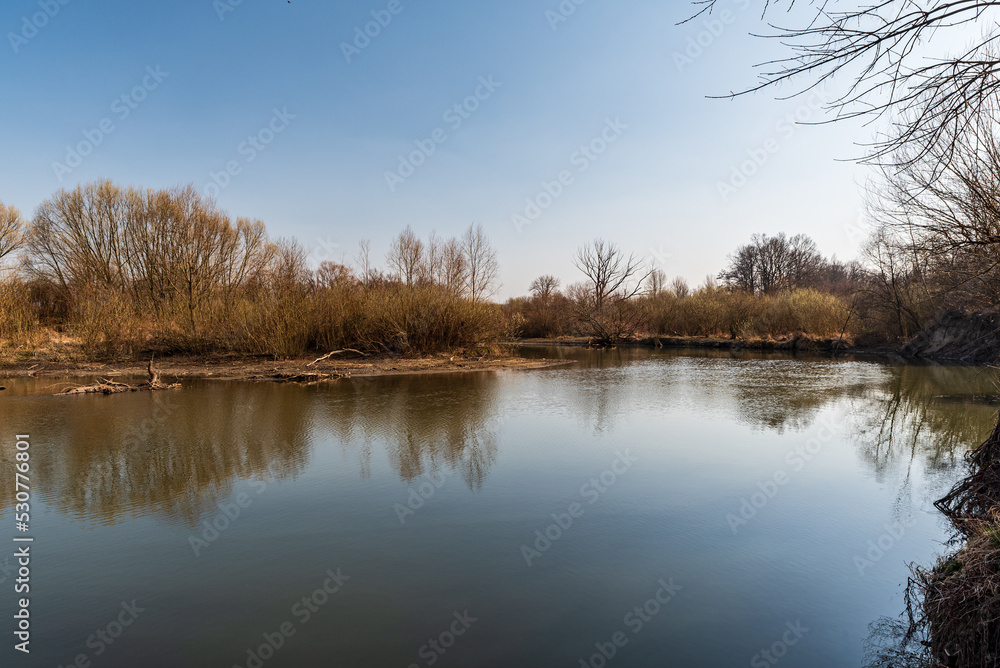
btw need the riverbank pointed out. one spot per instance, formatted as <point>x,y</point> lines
<point>231,367</point>
<point>780,344</point>
<point>929,346</point>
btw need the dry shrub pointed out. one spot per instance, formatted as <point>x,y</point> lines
<point>420,319</point>
<point>107,324</point>
<point>715,311</point>
<point>294,319</point>
<point>541,317</point>
<point>276,322</point>
<point>808,311</point>
<point>18,318</point>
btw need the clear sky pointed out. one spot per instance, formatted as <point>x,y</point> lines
<point>160,94</point>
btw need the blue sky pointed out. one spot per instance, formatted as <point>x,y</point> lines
<point>200,78</point>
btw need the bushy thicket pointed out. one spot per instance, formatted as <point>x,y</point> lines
<point>123,271</point>
<point>708,311</point>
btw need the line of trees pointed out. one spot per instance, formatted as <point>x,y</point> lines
<point>770,264</point>
<point>125,270</point>
<point>621,298</point>
<point>935,250</point>
<point>466,265</point>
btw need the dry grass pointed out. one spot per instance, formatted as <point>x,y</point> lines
<point>959,601</point>
<point>124,271</point>
<point>276,321</point>
<point>713,311</point>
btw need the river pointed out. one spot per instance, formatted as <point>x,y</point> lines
<point>634,508</point>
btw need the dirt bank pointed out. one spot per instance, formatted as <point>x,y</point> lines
<point>789,343</point>
<point>961,337</point>
<point>220,366</point>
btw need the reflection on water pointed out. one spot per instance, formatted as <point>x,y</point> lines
<point>934,412</point>
<point>424,422</point>
<point>170,453</point>
<point>124,482</point>
<point>177,453</point>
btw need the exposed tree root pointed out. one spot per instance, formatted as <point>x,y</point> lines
<point>976,498</point>
<point>954,606</point>
<point>108,386</point>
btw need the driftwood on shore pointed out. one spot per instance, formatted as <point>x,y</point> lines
<point>108,386</point>
<point>335,352</point>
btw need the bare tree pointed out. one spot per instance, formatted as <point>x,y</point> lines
<point>885,52</point>
<point>406,256</point>
<point>657,282</point>
<point>772,263</point>
<point>454,269</point>
<point>79,236</point>
<point>482,269</point>
<point>679,287</point>
<point>333,274</point>
<point>366,270</point>
<point>544,287</point>
<point>742,272</point>
<point>431,265</point>
<point>895,290</point>
<point>947,206</point>
<point>163,249</point>
<point>938,215</point>
<point>612,281</point>
<point>608,271</point>
<point>803,262</point>
<point>11,230</point>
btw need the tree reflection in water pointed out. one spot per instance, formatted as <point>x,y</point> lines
<point>176,454</point>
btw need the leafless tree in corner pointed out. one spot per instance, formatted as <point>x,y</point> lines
<point>888,53</point>
<point>937,216</point>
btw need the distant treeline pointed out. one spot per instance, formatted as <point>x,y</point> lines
<point>122,272</point>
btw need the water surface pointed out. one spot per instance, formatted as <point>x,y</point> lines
<point>747,492</point>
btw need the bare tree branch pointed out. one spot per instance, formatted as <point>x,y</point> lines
<point>885,52</point>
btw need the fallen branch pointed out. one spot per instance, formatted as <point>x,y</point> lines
<point>108,386</point>
<point>335,352</point>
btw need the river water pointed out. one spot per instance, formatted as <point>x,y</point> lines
<point>633,508</point>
